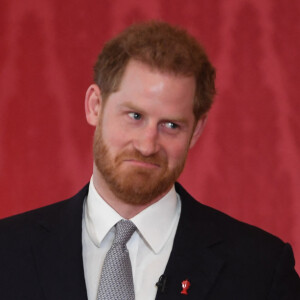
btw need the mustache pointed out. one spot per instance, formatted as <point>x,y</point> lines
<point>156,158</point>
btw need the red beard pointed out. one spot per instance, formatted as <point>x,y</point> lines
<point>135,185</point>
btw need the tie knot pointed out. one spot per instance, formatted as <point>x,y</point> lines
<point>124,231</point>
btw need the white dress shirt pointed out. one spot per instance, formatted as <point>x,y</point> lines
<point>149,247</point>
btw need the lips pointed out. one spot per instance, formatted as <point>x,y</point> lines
<point>138,159</point>
<point>143,163</point>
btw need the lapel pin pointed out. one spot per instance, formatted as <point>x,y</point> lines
<point>185,286</point>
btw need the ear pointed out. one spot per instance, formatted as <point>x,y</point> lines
<point>93,104</point>
<point>198,130</point>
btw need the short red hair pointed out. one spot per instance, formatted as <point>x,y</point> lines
<point>163,47</point>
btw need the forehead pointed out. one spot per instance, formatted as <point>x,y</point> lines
<point>141,83</point>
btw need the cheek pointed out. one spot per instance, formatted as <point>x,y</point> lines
<point>115,139</point>
<point>114,132</point>
<point>176,152</point>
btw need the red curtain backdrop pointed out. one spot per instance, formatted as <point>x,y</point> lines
<point>248,160</point>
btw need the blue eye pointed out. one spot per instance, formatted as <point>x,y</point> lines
<point>171,125</point>
<point>135,116</point>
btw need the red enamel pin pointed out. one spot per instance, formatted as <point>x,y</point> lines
<point>185,286</point>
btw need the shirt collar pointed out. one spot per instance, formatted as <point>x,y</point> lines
<point>99,216</point>
<point>155,223</point>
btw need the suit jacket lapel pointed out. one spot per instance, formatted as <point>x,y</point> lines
<point>57,248</point>
<point>192,257</point>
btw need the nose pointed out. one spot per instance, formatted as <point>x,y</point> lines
<point>146,141</point>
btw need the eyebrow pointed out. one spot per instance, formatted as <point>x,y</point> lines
<point>130,105</point>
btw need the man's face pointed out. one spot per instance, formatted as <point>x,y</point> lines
<point>143,134</point>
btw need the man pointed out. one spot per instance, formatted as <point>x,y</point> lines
<point>153,88</point>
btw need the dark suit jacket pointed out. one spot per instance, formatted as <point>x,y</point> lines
<point>41,256</point>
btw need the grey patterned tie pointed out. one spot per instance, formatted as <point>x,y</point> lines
<point>116,282</point>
